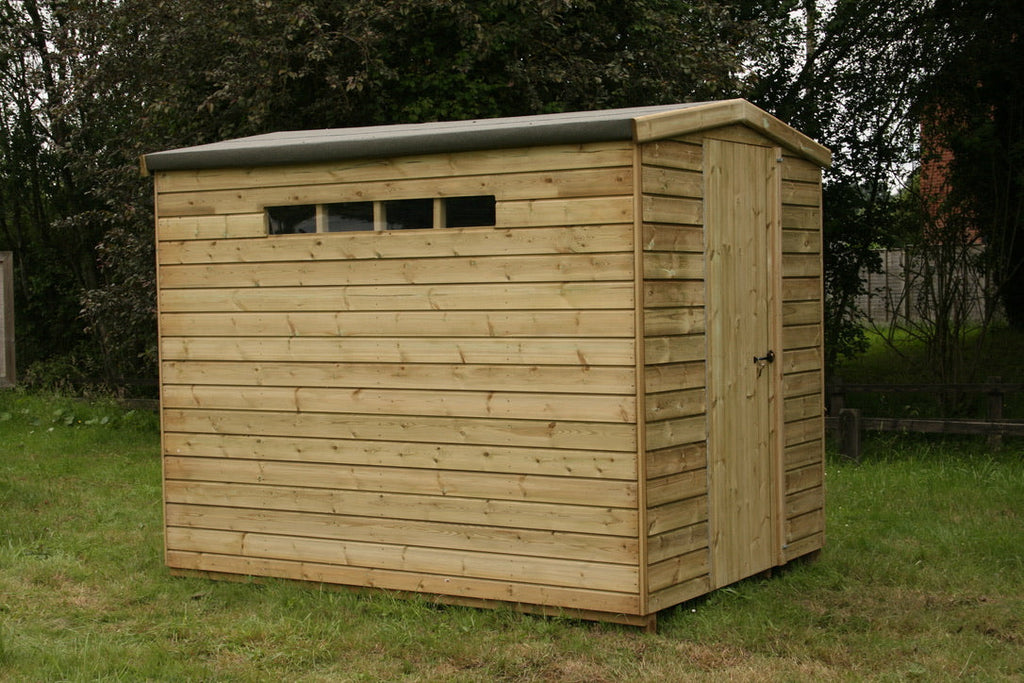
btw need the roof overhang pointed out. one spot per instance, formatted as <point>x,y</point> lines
<point>639,124</point>
<point>666,124</point>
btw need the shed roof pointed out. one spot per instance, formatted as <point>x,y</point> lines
<point>640,124</point>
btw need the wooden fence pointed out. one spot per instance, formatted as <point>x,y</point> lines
<point>7,374</point>
<point>848,423</point>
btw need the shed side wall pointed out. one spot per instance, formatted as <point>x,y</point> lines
<point>445,411</point>
<point>676,453</point>
<point>803,358</point>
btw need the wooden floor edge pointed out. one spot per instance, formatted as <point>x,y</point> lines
<point>647,622</point>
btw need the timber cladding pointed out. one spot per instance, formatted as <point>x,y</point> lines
<point>516,412</point>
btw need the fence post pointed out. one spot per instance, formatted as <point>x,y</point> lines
<point>849,433</point>
<point>837,397</point>
<point>995,412</point>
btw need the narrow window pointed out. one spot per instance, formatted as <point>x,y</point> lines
<point>350,217</point>
<point>291,220</point>
<point>409,214</point>
<point>469,212</point>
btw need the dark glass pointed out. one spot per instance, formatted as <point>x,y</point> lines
<point>409,214</point>
<point>350,216</point>
<point>469,212</point>
<point>291,220</point>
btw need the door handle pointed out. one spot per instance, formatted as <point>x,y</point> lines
<point>766,358</point>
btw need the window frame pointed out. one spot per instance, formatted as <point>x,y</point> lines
<point>380,223</point>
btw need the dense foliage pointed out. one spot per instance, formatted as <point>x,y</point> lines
<point>88,85</point>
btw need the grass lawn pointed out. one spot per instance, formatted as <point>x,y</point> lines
<point>922,578</point>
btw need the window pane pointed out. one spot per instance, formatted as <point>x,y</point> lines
<point>468,212</point>
<point>349,216</point>
<point>291,220</point>
<point>409,214</point>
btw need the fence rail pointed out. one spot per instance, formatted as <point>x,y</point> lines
<point>848,423</point>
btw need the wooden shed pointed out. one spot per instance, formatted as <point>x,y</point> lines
<point>521,360</point>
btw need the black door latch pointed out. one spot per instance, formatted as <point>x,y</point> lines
<point>767,358</point>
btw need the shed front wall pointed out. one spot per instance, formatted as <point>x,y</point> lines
<point>679,562</point>
<point>450,411</point>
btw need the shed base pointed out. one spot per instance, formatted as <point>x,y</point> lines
<point>649,622</point>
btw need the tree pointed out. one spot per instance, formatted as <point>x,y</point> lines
<point>88,85</point>
<point>847,73</point>
<point>974,106</point>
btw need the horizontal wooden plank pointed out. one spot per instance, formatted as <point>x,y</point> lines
<point>504,459</point>
<point>677,542</point>
<point>801,194</point>
<point>839,385</point>
<point>674,377</point>
<point>805,525</point>
<point>459,587</point>
<point>677,570</point>
<point>502,567</point>
<point>532,296</point>
<point>803,478</point>
<point>677,431</point>
<point>673,293</point>
<point>673,265</point>
<point>564,212</point>
<point>401,324</point>
<point>341,527</point>
<point>801,289</point>
<point>482,162</point>
<point>1009,428</point>
<point>799,384</point>
<point>488,485</point>
<point>801,265</point>
<point>673,321</point>
<point>672,182</point>
<point>673,210</point>
<point>801,242</point>
<point>804,546</point>
<point>548,517</point>
<point>801,360</point>
<point>208,228</point>
<point>673,238</point>
<point>676,515</point>
<point>803,454</point>
<point>794,168</point>
<point>543,185</point>
<point>526,433</point>
<point>801,336</point>
<point>801,217</point>
<point>486,404</point>
<point>811,429</point>
<point>676,487</point>
<point>731,133</point>
<point>672,154</point>
<point>679,593</point>
<point>518,351</point>
<point>673,404</point>
<point>676,459</point>
<point>801,312</point>
<point>679,349</point>
<point>553,378</point>
<point>390,244</point>
<point>495,269</point>
<point>805,501</point>
<point>802,407</point>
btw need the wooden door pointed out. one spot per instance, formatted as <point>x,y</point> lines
<point>743,249</point>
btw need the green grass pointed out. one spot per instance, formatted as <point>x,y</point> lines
<point>922,578</point>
